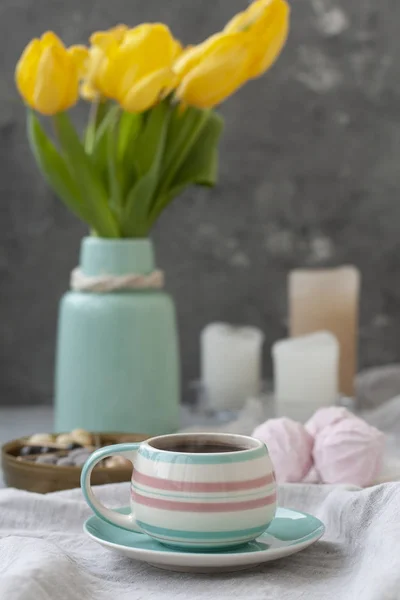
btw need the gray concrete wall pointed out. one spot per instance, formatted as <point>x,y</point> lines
<point>309,176</point>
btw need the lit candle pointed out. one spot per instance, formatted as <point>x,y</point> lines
<point>327,299</point>
<point>230,364</point>
<point>305,374</point>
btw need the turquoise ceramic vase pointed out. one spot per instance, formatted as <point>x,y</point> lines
<point>117,363</point>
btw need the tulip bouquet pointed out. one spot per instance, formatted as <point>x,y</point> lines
<point>151,129</point>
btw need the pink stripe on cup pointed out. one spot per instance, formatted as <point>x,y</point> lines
<point>203,506</point>
<point>198,486</point>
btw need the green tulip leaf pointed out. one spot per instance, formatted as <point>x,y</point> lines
<point>152,132</point>
<point>128,131</point>
<point>86,177</point>
<point>150,145</point>
<point>199,166</point>
<point>99,151</point>
<point>55,169</point>
<point>184,129</point>
<point>134,165</point>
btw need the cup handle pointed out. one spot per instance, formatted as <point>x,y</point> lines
<point>107,514</point>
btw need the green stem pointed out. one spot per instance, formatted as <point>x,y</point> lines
<point>90,135</point>
<point>112,164</point>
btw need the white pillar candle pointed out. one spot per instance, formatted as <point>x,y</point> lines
<point>230,364</point>
<point>327,299</point>
<point>305,374</point>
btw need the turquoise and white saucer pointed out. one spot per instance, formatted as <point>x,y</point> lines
<point>290,532</point>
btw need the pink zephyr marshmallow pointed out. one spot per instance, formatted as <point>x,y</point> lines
<point>289,446</point>
<point>349,451</point>
<point>327,416</point>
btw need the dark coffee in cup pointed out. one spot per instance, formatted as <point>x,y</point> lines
<point>204,448</point>
<point>192,445</point>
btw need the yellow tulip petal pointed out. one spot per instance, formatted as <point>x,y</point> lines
<point>71,83</point>
<point>146,49</point>
<point>79,55</point>
<point>192,55</point>
<point>94,67</point>
<point>113,75</point>
<point>218,75</point>
<point>114,66</point>
<point>176,49</point>
<point>152,46</point>
<point>56,89</point>
<point>142,32</point>
<point>51,39</point>
<point>26,70</point>
<point>267,21</point>
<point>237,23</point>
<point>148,90</point>
<point>269,42</point>
<point>245,19</point>
<point>104,39</point>
<point>47,98</point>
<point>95,59</point>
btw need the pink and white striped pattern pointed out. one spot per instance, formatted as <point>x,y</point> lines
<point>189,487</point>
<point>197,504</point>
<point>183,495</point>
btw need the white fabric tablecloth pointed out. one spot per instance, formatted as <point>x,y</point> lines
<point>44,554</point>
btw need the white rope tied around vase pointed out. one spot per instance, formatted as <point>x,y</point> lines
<point>111,283</point>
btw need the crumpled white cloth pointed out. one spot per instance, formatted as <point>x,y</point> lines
<point>44,554</point>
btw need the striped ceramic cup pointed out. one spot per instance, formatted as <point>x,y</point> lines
<point>196,491</point>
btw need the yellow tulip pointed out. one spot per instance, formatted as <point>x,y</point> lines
<point>212,71</point>
<point>267,22</point>
<point>47,74</point>
<point>133,68</point>
<point>248,46</point>
<point>100,42</point>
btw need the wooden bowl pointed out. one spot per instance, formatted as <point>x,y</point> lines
<point>42,478</point>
